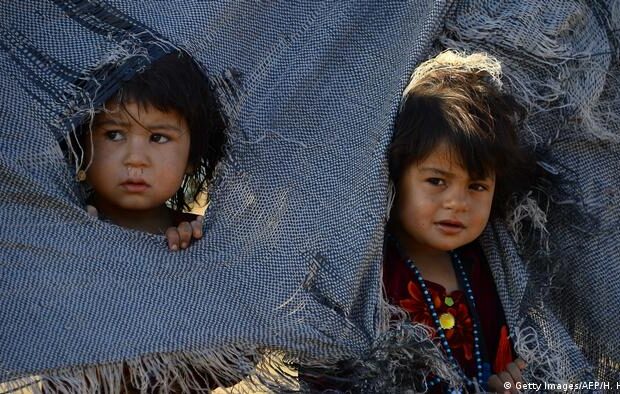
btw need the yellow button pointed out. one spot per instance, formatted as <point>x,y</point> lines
<point>446,321</point>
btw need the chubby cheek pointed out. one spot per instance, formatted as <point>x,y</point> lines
<point>98,148</point>
<point>414,213</point>
<point>171,173</point>
<point>102,160</point>
<point>100,176</point>
<point>173,158</point>
<point>96,172</point>
<point>172,181</point>
<point>481,218</point>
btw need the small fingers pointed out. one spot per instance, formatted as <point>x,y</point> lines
<point>172,236</point>
<point>197,227</point>
<point>521,364</point>
<point>496,385</point>
<point>185,234</point>
<point>507,382</point>
<point>515,372</point>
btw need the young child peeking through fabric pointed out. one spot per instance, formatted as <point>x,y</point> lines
<point>152,149</point>
<point>147,155</point>
<point>456,162</point>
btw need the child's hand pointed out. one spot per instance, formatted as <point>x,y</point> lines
<point>181,236</point>
<point>177,237</point>
<point>505,381</point>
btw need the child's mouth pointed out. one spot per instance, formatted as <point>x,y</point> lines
<point>451,226</point>
<point>135,187</point>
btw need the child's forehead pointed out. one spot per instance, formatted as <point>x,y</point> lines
<point>113,111</point>
<point>443,155</point>
<point>448,160</point>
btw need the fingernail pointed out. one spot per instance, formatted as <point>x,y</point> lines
<point>174,247</point>
<point>184,245</point>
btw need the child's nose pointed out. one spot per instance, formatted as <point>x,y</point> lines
<point>456,200</point>
<point>136,153</point>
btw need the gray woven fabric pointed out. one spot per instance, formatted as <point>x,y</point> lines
<point>561,59</point>
<point>292,250</point>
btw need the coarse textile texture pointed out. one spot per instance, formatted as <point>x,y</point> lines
<point>290,261</point>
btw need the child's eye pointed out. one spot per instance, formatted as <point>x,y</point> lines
<point>479,187</point>
<point>159,138</point>
<point>114,135</point>
<point>436,181</point>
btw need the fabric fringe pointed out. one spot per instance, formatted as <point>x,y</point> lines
<point>399,361</point>
<point>180,372</point>
<point>556,188</point>
<point>544,363</point>
<point>467,35</point>
<point>555,71</point>
<point>529,210</point>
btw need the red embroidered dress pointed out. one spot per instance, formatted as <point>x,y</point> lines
<point>403,289</point>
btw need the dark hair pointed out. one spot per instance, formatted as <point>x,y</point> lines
<point>463,108</point>
<point>176,82</point>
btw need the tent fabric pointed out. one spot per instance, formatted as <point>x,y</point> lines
<point>290,260</point>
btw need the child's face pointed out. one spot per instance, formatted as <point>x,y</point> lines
<point>139,157</point>
<point>439,207</point>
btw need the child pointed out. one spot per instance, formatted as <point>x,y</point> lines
<point>150,152</point>
<point>152,149</point>
<point>455,161</point>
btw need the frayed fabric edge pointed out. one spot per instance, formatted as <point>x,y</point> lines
<point>179,372</point>
<point>400,360</point>
<point>403,353</point>
<point>560,58</point>
<point>544,363</point>
<point>529,209</point>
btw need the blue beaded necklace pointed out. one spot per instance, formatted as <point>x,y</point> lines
<point>482,369</point>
